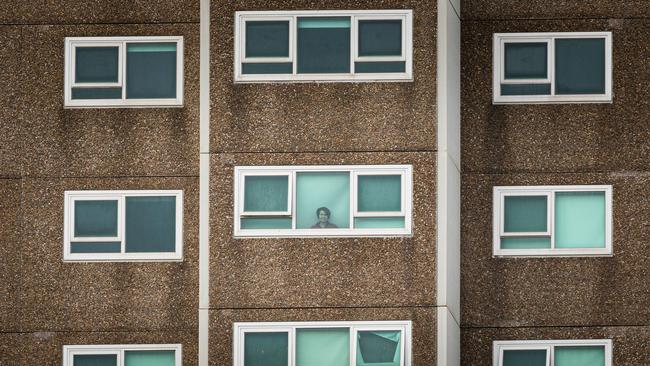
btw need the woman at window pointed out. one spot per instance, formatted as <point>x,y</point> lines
<point>323,214</point>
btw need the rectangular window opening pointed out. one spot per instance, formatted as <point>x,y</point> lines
<point>123,355</point>
<point>583,352</point>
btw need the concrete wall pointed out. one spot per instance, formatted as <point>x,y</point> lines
<point>556,298</point>
<point>46,149</point>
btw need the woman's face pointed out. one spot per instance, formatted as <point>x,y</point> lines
<point>322,217</point>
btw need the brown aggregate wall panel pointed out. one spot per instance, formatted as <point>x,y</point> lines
<point>522,292</point>
<point>557,137</point>
<point>554,9</point>
<point>423,327</point>
<point>630,344</point>
<point>104,142</point>
<point>103,296</point>
<point>46,348</point>
<point>98,11</point>
<point>339,116</point>
<point>11,135</point>
<point>291,272</point>
<point>10,254</point>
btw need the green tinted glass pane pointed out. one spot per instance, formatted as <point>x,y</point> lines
<point>267,68</point>
<point>380,37</point>
<point>525,89</point>
<point>379,193</point>
<point>96,64</point>
<point>526,60</point>
<point>535,357</point>
<point>266,223</point>
<point>379,222</point>
<point>267,39</point>
<point>151,70</point>
<point>150,224</point>
<point>367,67</point>
<point>96,218</point>
<point>323,45</point>
<point>149,358</point>
<point>524,214</point>
<point>379,348</point>
<point>580,356</point>
<point>580,220</point>
<point>96,93</point>
<point>266,193</point>
<point>525,243</point>
<point>323,347</point>
<point>95,247</point>
<point>94,360</point>
<point>579,66</point>
<point>317,190</point>
<point>266,349</point>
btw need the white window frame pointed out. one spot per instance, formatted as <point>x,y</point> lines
<point>69,351</point>
<point>406,171</point>
<point>120,196</point>
<point>71,43</point>
<point>498,219</point>
<point>404,326</point>
<point>549,345</point>
<point>498,77</point>
<point>241,17</point>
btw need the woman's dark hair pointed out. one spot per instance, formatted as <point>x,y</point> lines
<point>324,209</point>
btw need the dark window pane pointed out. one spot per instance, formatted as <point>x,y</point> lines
<point>267,39</point>
<point>96,64</point>
<point>525,89</point>
<point>95,218</point>
<point>378,347</point>
<point>96,93</point>
<point>580,66</point>
<point>95,247</point>
<point>524,214</point>
<point>324,45</point>
<point>151,70</point>
<point>150,224</point>
<point>391,66</point>
<point>380,38</point>
<point>526,60</point>
<point>377,193</point>
<point>94,360</point>
<point>266,349</point>
<point>266,193</point>
<point>267,68</point>
<point>524,357</point>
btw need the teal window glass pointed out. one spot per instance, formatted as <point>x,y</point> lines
<point>526,60</point>
<point>580,356</point>
<point>323,347</point>
<point>96,93</point>
<point>150,224</point>
<point>380,37</point>
<point>266,193</point>
<point>532,357</point>
<point>376,193</point>
<point>580,219</point>
<point>525,214</point>
<point>379,222</point>
<point>266,223</point>
<point>149,358</point>
<point>317,190</point>
<point>95,247</point>
<point>323,45</point>
<point>95,218</point>
<point>94,360</point>
<point>525,243</point>
<point>525,89</point>
<point>267,68</point>
<point>580,66</point>
<point>383,66</point>
<point>266,349</point>
<point>379,348</point>
<point>267,39</point>
<point>151,70</point>
<point>97,64</point>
